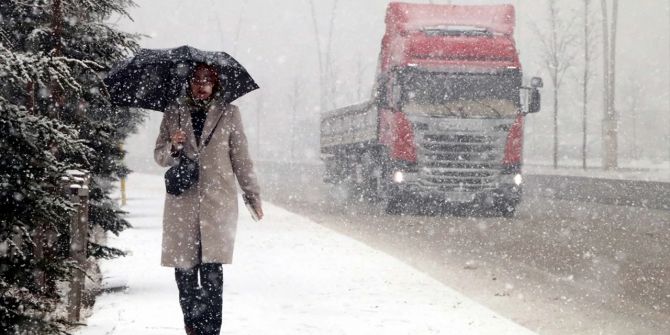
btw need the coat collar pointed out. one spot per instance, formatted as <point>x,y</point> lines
<point>215,111</point>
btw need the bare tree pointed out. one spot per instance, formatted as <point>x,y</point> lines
<point>557,56</point>
<point>294,98</point>
<point>331,77</point>
<point>259,118</point>
<point>326,73</point>
<point>238,29</point>
<point>317,37</point>
<point>361,68</point>
<point>633,90</point>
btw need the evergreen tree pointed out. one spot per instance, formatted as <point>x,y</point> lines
<point>54,54</point>
<point>77,30</point>
<point>35,152</point>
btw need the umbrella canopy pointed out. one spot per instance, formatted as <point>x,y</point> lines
<point>154,78</point>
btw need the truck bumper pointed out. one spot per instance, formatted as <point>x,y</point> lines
<point>507,190</point>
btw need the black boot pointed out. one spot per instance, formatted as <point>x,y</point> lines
<point>190,330</point>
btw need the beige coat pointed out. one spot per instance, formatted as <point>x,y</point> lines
<point>207,212</point>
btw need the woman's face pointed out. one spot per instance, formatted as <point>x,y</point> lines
<point>202,83</point>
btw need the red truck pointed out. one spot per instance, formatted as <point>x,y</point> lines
<point>445,122</point>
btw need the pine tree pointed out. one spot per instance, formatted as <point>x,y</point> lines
<point>54,54</point>
<point>35,152</point>
<point>77,30</point>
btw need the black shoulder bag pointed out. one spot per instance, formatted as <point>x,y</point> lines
<point>184,175</point>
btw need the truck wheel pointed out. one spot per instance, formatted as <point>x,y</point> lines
<point>507,210</point>
<point>371,173</point>
<point>394,206</point>
<point>339,193</point>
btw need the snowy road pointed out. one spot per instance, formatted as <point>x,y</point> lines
<point>290,276</point>
<point>560,267</point>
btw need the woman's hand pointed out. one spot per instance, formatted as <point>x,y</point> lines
<point>259,210</point>
<point>254,204</point>
<point>178,138</point>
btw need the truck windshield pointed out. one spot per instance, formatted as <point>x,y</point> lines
<point>461,95</point>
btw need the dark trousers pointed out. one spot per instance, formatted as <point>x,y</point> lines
<point>201,302</point>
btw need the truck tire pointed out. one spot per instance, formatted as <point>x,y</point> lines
<point>370,184</point>
<point>394,206</point>
<point>339,193</point>
<point>507,209</point>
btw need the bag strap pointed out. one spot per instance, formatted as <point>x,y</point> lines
<point>213,131</point>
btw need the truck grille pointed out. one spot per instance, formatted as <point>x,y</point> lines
<point>460,162</point>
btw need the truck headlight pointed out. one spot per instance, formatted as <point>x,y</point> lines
<point>398,177</point>
<point>518,179</point>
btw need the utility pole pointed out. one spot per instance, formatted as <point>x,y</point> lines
<point>587,60</point>
<point>610,125</point>
<point>607,124</point>
<point>614,115</point>
<point>555,80</point>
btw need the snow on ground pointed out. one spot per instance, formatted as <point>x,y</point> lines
<point>290,276</point>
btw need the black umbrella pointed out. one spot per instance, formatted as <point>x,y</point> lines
<point>154,78</point>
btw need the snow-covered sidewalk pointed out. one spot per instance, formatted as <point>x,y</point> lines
<point>290,276</point>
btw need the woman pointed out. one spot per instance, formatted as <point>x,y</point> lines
<point>199,225</point>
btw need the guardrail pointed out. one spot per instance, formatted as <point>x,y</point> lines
<point>653,195</point>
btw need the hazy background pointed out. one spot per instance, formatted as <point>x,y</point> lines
<point>276,42</point>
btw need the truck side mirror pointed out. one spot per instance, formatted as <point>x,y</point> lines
<point>381,92</point>
<point>396,95</point>
<point>535,101</point>
<point>536,82</point>
<point>380,98</point>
